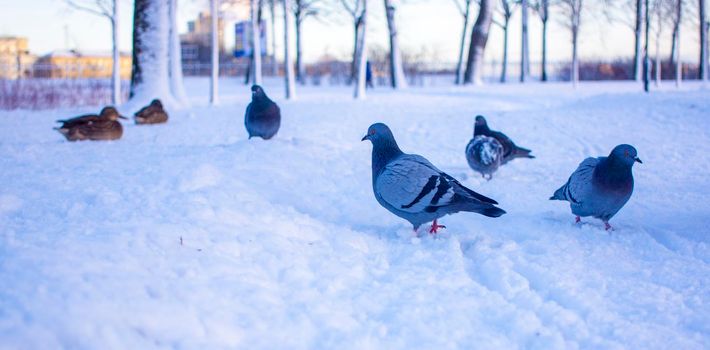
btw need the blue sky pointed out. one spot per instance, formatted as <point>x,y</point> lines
<point>432,27</point>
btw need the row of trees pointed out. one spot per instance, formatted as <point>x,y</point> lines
<point>156,48</point>
<point>643,16</point>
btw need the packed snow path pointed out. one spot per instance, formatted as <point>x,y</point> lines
<point>186,235</point>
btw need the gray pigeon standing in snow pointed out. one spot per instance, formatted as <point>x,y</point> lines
<point>263,116</point>
<point>412,188</point>
<point>484,155</point>
<point>510,150</point>
<point>600,186</point>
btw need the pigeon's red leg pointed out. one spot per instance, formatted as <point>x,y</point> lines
<point>608,227</point>
<point>435,227</point>
<point>577,219</point>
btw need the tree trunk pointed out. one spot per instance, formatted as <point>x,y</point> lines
<point>274,64</point>
<point>676,44</point>
<point>703,41</point>
<point>214,76</point>
<point>504,71</point>
<point>362,54</point>
<point>149,74</point>
<point>300,71</point>
<point>524,51</point>
<point>459,65</point>
<point>116,70</point>
<point>477,44</point>
<point>658,58</point>
<point>256,39</point>
<point>397,78</point>
<point>646,60</point>
<point>638,67</point>
<point>356,42</point>
<point>177,87</point>
<point>288,63</point>
<point>544,50</point>
<point>575,58</point>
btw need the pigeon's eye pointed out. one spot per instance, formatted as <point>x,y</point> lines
<point>626,153</point>
<point>372,132</point>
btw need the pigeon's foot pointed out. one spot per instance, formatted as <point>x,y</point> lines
<point>435,227</point>
<point>608,227</point>
<point>577,219</point>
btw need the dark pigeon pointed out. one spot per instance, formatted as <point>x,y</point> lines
<point>152,114</point>
<point>484,155</point>
<point>263,116</point>
<point>600,186</point>
<point>510,150</point>
<point>412,188</point>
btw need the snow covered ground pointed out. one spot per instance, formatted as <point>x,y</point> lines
<point>187,235</point>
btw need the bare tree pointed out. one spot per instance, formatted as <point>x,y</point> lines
<point>214,76</point>
<point>477,44</point>
<point>703,71</point>
<point>465,10</point>
<point>506,12</point>
<point>659,11</point>
<point>524,49</point>
<point>108,9</point>
<point>177,88</point>
<point>272,11</point>
<point>355,9</point>
<point>303,9</point>
<point>397,78</point>
<point>362,54</point>
<point>150,73</point>
<point>572,10</point>
<point>256,39</point>
<point>646,57</point>
<point>288,62</point>
<point>620,11</point>
<point>543,9</point>
<point>675,49</point>
<point>637,41</point>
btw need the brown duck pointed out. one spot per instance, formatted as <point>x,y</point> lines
<point>104,126</point>
<point>152,114</point>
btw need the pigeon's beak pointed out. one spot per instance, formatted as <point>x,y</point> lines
<point>366,137</point>
<point>638,160</point>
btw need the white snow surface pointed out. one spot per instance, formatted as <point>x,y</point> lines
<point>187,235</point>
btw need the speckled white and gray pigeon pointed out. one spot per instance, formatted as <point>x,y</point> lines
<point>484,155</point>
<point>412,188</point>
<point>510,149</point>
<point>600,186</point>
<point>263,116</point>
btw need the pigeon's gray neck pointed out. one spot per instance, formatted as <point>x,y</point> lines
<point>613,173</point>
<point>383,151</point>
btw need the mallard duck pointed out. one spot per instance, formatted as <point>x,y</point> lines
<point>152,114</point>
<point>104,126</point>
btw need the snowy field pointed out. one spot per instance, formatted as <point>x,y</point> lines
<point>187,235</point>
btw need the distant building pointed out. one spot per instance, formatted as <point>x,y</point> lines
<point>74,64</point>
<point>196,44</point>
<point>15,58</point>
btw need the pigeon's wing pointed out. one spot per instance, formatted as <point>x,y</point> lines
<point>578,183</point>
<point>505,141</point>
<point>412,184</point>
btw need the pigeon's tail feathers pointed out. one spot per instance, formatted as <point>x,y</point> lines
<point>520,152</point>
<point>560,194</point>
<point>485,209</point>
<point>467,192</point>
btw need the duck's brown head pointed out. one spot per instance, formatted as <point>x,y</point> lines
<point>111,113</point>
